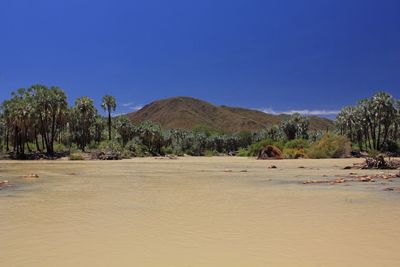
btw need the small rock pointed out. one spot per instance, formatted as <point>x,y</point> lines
<point>316,182</point>
<point>339,181</point>
<point>272,167</point>
<point>243,170</point>
<point>227,170</point>
<point>347,168</point>
<point>365,179</point>
<point>30,176</point>
<point>389,189</point>
<point>301,167</point>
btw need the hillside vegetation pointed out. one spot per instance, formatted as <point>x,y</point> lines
<point>188,113</point>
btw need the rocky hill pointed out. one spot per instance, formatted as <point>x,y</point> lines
<point>187,113</point>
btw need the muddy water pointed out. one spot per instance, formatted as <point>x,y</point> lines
<point>189,212</point>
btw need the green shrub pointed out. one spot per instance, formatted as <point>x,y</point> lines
<point>297,144</point>
<point>92,145</point>
<point>136,149</point>
<point>294,153</point>
<point>112,145</point>
<point>60,147</point>
<point>210,153</point>
<point>373,153</point>
<point>330,147</point>
<point>74,148</point>
<point>76,156</point>
<point>126,154</point>
<point>242,152</point>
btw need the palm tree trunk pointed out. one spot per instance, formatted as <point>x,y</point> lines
<point>43,147</point>
<point>37,142</point>
<point>109,125</point>
<point>7,140</point>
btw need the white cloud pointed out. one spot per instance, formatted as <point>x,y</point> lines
<point>137,107</point>
<point>130,106</point>
<point>307,112</point>
<point>127,104</point>
<point>119,114</point>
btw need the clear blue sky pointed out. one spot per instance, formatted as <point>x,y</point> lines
<point>280,55</point>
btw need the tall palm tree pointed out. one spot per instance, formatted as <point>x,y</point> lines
<point>83,116</point>
<point>109,104</point>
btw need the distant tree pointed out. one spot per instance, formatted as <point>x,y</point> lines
<point>50,107</point>
<point>82,118</point>
<point>295,126</point>
<point>98,127</point>
<point>124,128</point>
<point>109,104</point>
<point>18,112</point>
<point>151,136</point>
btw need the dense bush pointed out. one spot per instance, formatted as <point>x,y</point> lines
<point>243,153</point>
<point>76,156</point>
<point>294,153</point>
<point>60,148</point>
<point>330,146</point>
<point>136,149</point>
<point>297,144</point>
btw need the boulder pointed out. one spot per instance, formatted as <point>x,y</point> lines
<point>269,152</point>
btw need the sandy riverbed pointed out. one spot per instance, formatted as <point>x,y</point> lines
<point>195,212</point>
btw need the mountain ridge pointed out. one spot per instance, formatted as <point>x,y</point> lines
<point>188,112</point>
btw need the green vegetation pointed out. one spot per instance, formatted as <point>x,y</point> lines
<point>76,156</point>
<point>38,120</point>
<point>373,124</point>
<point>295,127</point>
<point>330,147</point>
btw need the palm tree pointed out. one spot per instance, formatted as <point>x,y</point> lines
<point>125,129</point>
<point>109,104</point>
<point>371,123</point>
<point>295,126</point>
<point>50,106</point>
<point>82,118</point>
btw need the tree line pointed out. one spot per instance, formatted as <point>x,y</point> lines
<point>36,118</point>
<point>39,119</point>
<point>372,124</point>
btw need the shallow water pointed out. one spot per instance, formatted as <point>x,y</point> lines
<point>189,212</point>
